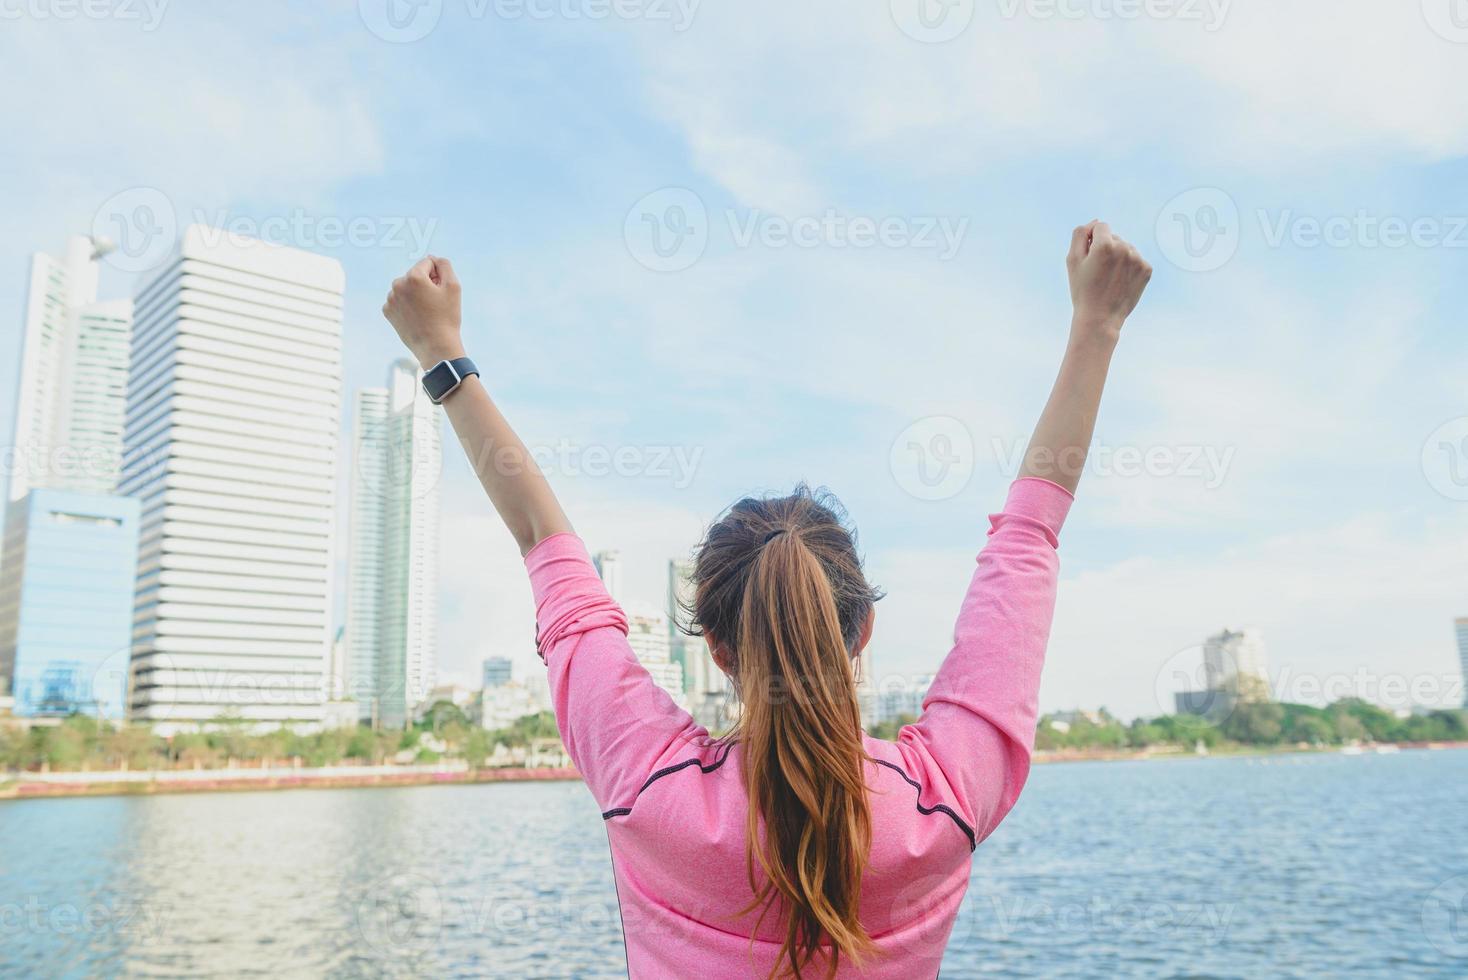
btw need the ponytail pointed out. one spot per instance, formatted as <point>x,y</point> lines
<point>791,611</point>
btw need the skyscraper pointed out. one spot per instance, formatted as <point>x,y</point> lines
<point>392,606</point>
<point>1461,626</point>
<point>72,388</point>
<point>647,634</point>
<point>69,543</point>
<point>1237,662</point>
<point>707,685</point>
<point>233,402</point>
<point>497,671</point>
<point>609,567</point>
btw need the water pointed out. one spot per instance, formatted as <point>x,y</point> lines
<point>1301,866</point>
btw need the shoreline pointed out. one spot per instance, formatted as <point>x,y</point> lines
<point>1051,756</point>
<point>38,786</point>
<point>54,785</point>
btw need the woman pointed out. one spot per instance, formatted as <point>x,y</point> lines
<point>798,845</point>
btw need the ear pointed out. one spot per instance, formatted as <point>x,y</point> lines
<point>719,652</point>
<point>866,632</point>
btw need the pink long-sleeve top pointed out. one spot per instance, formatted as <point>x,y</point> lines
<point>673,799</point>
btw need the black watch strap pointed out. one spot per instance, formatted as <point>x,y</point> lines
<point>445,376</point>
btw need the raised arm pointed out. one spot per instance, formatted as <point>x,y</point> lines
<point>616,723</point>
<point>423,306</point>
<point>974,740</point>
<point>1107,277</point>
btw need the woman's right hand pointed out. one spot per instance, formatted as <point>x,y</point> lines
<point>423,307</point>
<point>1107,276</point>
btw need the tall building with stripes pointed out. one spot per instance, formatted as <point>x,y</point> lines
<point>392,578</point>
<point>233,403</point>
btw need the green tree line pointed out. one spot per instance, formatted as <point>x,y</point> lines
<point>1263,724</point>
<point>82,742</point>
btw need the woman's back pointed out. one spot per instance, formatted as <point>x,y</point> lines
<point>676,807</point>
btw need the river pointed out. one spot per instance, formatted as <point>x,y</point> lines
<point>1295,865</point>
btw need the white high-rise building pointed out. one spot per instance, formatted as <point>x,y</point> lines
<point>609,567</point>
<point>392,604</point>
<point>647,634</point>
<point>1237,661</point>
<point>233,406</point>
<point>72,389</point>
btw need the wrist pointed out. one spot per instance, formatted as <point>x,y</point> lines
<point>431,355</point>
<point>1094,331</point>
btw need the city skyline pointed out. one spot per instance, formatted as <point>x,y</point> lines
<point>386,420</point>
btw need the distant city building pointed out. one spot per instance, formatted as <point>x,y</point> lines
<point>64,636</point>
<point>392,588</point>
<point>458,695</point>
<point>499,707</point>
<point>647,633</point>
<point>497,671</point>
<point>1236,661</point>
<point>69,556</point>
<point>234,397</point>
<point>707,687</point>
<point>609,567</point>
<point>1460,625</point>
<point>71,393</point>
<point>900,696</point>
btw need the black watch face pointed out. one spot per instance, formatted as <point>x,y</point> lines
<point>439,380</point>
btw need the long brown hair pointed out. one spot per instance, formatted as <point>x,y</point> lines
<point>778,585</point>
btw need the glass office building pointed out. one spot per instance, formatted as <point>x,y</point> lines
<point>66,604</point>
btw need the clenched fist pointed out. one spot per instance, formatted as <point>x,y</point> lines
<point>423,307</point>
<point>1107,276</point>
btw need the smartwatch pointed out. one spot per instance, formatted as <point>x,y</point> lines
<point>440,380</point>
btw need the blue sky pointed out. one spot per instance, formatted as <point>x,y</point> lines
<point>1292,393</point>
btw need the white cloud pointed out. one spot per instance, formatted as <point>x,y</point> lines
<point>1361,604</point>
<point>775,99</point>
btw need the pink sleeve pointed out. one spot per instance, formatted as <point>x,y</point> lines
<point>616,723</point>
<point>973,742</point>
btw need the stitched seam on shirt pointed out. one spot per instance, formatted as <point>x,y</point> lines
<point>622,811</point>
<point>935,808</point>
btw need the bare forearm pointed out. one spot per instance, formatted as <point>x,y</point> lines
<point>1107,277</point>
<point>1062,437</point>
<point>516,487</point>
